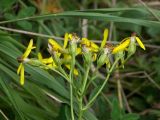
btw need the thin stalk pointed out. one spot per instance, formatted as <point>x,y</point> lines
<point>80,108</point>
<point>119,93</point>
<point>101,88</point>
<point>85,79</point>
<point>5,117</point>
<point>61,74</point>
<point>71,85</point>
<point>82,93</point>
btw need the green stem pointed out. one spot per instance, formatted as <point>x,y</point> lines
<point>85,80</point>
<point>101,88</point>
<point>82,93</point>
<point>71,85</point>
<point>56,71</point>
<point>80,109</point>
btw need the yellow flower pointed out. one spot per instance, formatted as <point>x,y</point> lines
<point>91,46</point>
<point>23,59</point>
<point>75,71</point>
<point>122,46</point>
<point>55,47</point>
<point>47,61</point>
<point>126,42</point>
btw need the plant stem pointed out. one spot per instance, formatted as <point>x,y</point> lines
<point>80,108</point>
<point>101,88</point>
<point>85,79</point>
<point>71,85</point>
<point>82,93</point>
<point>71,101</point>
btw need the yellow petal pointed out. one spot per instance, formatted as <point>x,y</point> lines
<point>54,45</point>
<point>75,71</point>
<point>94,57</point>
<point>122,46</point>
<point>105,37</point>
<point>28,50</point>
<point>67,57</point>
<point>65,40</point>
<point>47,60</point>
<point>85,41</point>
<point>94,47</point>
<point>22,75</point>
<point>19,68</point>
<point>78,51</point>
<point>91,45</point>
<point>140,43</point>
<point>108,64</point>
<point>54,64</point>
<point>40,56</point>
<point>70,36</point>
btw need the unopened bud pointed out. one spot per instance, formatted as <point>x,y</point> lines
<point>87,54</point>
<point>132,46</point>
<point>73,43</point>
<point>104,57</point>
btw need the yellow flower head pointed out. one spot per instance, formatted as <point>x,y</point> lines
<point>122,46</point>
<point>126,42</point>
<point>54,45</point>
<point>73,37</point>
<point>47,61</point>
<point>90,45</point>
<point>22,59</point>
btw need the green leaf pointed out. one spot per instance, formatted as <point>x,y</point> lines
<point>25,12</point>
<point>116,112</point>
<point>6,4</point>
<point>130,116</point>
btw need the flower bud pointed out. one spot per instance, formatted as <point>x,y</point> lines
<point>73,43</point>
<point>132,46</point>
<point>87,54</point>
<point>104,57</point>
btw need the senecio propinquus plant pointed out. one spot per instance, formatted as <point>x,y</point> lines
<point>63,61</point>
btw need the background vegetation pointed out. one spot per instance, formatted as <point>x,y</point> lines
<point>45,95</point>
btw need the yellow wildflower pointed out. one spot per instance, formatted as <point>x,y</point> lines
<point>55,47</point>
<point>23,59</point>
<point>91,46</point>
<point>122,46</point>
<point>126,42</point>
<point>47,61</point>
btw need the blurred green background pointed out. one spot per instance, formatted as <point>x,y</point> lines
<point>44,95</point>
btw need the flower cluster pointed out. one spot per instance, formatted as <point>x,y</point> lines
<point>75,46</point>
